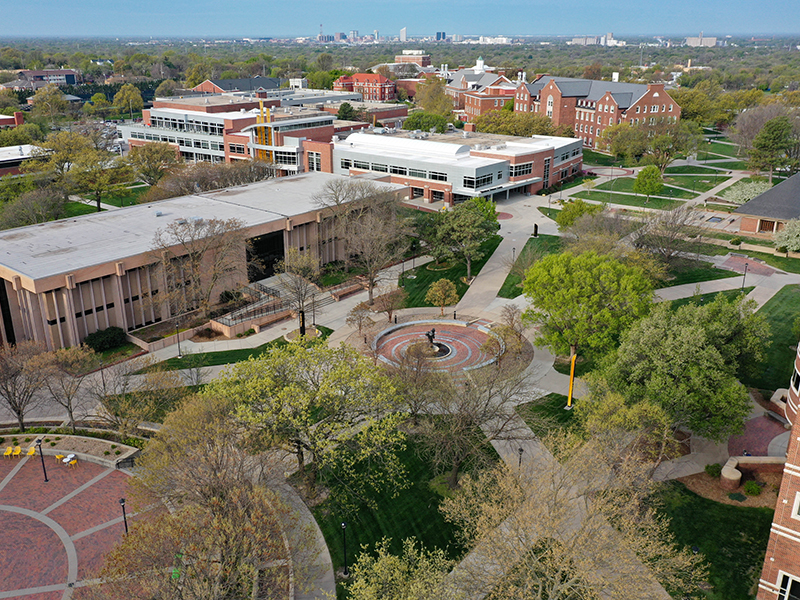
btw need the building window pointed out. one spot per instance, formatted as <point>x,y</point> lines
<point>670,108</point>
<point>549,106</point>
<point>437,176</point>
<point>346,163</point>
<point>789,589</point>
<point>285,158</point>
<point>380,168</point>
<point>637,110</point>
<point>519,170</point>
<point>360,164</point>
<point>417,173</point>
<point>314,161</point>
<point>611,108</point>
<point>477,182</point>
<point>417,192</point>
<point>437,195</point>
<point>395,170</point>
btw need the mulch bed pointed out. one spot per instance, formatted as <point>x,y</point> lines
<point>706,486</point>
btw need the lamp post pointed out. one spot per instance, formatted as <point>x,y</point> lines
<point>513,254</point>
<point>519,464</point>
<point>124,516</point>
<point>41,454</point>
<point>178,337</point>
<point>744,276</point>
<point>344,544</point>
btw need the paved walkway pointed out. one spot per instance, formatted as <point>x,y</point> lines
<point>56,534</point>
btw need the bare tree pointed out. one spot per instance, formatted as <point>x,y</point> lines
<point>204,177</point>
<point>418,385</point>
<point>20,379</point>
<point>750,122</point>
<point>196,256</point>
<point>359,316</point>
<point>664,232</point>
<point>390,301</point>
<point>301,270</point>
<point>65,371</point>
<point>36,206</point>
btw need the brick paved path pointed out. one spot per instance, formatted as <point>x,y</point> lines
<point>55,534</point>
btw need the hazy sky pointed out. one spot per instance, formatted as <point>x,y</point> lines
<point>271,18</point>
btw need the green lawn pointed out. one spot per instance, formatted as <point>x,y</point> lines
<point>547,413</point>
<point>126,196</point>
<point>784,263</point>
<point>731,165</point>
<point>226,357</point>
<point>591,157</point>
<point>629,200</point>
<point>413,512</point>
<point>417,281</point>
<point>719,207</point>
<point>625,184</point>
<point>724,149</point>
<point>728,236</point>
<point>700,183</point>
<point>542,246</point>
<point>704,248</point>
<point>690,169</point>
<point>76,209</point>
<point>733,539</point>
<point>694,272</point>
<point>706,298</point>
<point>579,180</point>
<point>780,311</point>
<point>551,213</point>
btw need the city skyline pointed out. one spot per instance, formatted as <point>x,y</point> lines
<point>265,18</point>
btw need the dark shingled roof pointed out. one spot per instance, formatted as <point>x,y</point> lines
<point>781,202</point>
<point>592,90</point>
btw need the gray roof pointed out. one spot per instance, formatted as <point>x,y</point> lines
<point>592,90</point>
<point>781,202</point>
<point>247,83</point>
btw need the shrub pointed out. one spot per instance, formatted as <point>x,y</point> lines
<point>113,446</point>
<point>230,296</point>
<point>106,452</point>
<point>106,339</point>
<point>744,191</point>
<point>736,241</point>
<point>714,470</point>
<point>118,452</point>
<point>782,249</point>
<point>788,238</point>
<point>52,443</point>
<point>751,488</point>
<point>27,439</point>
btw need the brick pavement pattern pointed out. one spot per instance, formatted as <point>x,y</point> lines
<point>56,533</point>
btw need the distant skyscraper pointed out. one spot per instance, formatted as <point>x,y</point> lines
<point>353,34</point>
<point>376,35</point>
<point>404,35</point>
<point>441,36</point>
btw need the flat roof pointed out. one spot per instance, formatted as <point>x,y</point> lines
<point>8,153</point>
<point>72,244</point>
<point>206,100</point>
<point>277,114</point>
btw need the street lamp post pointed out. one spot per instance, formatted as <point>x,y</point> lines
<point>124,516</point>
<point>744,276</point>
<point>344,544</point>
<point>178,337</point>
<point>513,254</point>
<point>41,454</point>
<point>521,450</point>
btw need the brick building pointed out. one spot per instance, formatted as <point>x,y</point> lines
<point>590,106</point>
<point>491,98</point>
<point>767,213</point>
<point>372,86</point>
<point>417,57</point>
<point>247,84</point>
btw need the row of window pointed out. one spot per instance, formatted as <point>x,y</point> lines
<point>236,148</point>
<point>183,142</point>
<point>347,163</point>
<point>519,170</point>
<point>478,182</point>
<point>187,125</point>
<point>654,108</point>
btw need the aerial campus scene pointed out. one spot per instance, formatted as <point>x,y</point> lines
<point>391,301</point>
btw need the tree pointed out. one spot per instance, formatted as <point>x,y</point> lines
<point>521,124</point>
<point>535,532</point>
<point>203,177</point>
<point>129,97</point>
<point>197,256</point>
<point>668,141</point>
<point>49,101</point>
<point>593,71</point>
<point>426,121</point>
<point>433,98</point>
<point>625,141</point>
<point>417,574</point>
<point>151,162</point>
<point>574,210</point>
<point>166,88</point>
<point>346,112</point>
<point>390,301</point>
<point>65,371</point>
<point>99,173</point>
<point>301,270</point>
<point>648,182</point>
<point>750,122</point>
<point>584,302</point>
<point>98,105</point>
<point>441,293</point>
<point>57,154</point>
<point>358,316</point>
<point>24,134</point>
<point>772,145</point>
<point>679,360</point>
<point>329,407</point>
<point>465,229</point>
<point>36,206</point>
<point>789,236</point>
<point>20,379</point>
<point>664,232</point>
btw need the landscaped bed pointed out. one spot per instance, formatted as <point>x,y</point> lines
<point>538,246</point>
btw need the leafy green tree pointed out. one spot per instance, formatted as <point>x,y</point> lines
<point>772,145</point>
<point>49,101</point>
<point>678,360</point>
<point>329,407</point>
<point>463,231</point>
<point>425,121</point>
<point>625,141</point>
<point>432,97</point>
<point>441,293</point>
<point>346,112</point>
<point>24,134</point>
<point>668,141</point>
<point>129,97</point>
<point>98,173</point>
<point>574,210</point>
<point>57,154</point>
<point>324,62</point>
<point>98,105</point>
<point>648,182</point>
<point>585,302</point>
<point>511,123</point>
<point>151,162</point>
<point>789,236</point>
<point>166,88</point>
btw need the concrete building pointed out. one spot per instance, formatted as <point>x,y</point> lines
<point>589,106</point>
<point>453,167</point>
<point>34,79</point>
<point>416,57</point>
<point>768,213</point>
<point>63,280</point>
<point>372,86</point>
<point>404,34</point>
<point>701,41</point>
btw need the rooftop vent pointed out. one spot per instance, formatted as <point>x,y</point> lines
<point>159,213</point>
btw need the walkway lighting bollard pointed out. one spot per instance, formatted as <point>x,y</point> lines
<point>41,454</point>
<point>521,450</point>
<point>344,544</point>
<point>124,516</point>
<point>178,337</point>
<point>744,276</point>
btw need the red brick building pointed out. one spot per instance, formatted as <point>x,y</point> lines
<point>768,213</point>
<point>491,98</point>
<point>247,84</point>
<point>372,86</point>
<point>416,57</point>
<point>590,106</point>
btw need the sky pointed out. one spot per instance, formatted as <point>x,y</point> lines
<point>272,18</point>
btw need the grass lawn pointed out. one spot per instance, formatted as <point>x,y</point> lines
<point>546,414</point>
<point>690,170</point>
<point>226,357</point>
<point>579,180</point>
<point>596,158</point>
<point>704,248</point>
<point>700,183</point>
<point>76,209</point>
<point>542,245</point>
<point>780,311</point>
<point>694,271</point>
<point>414,512</point>
<point>733,539</point>
<point>551,213</point>
<point>718,235</point>
<point>629,200</point>
<point>719,207</point>
<point>784,263</point>
<point>731,165</point>
<point>116,354</point>
<point>417,281</point>
<point>724,149</point>
<point>706,298</point>
<point>334,274</point>
<point>625,184</point>
<point>126,196</point>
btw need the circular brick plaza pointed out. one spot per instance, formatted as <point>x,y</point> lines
<point>460,343</point>
<point>55,534</point>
